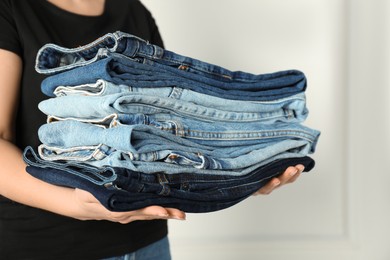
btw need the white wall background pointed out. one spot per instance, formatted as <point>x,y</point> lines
<point>340,210</point>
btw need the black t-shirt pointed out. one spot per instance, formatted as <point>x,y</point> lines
<point>30,233</point>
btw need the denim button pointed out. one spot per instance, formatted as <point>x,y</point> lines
<point>183,67</point>
<point>185,186</point>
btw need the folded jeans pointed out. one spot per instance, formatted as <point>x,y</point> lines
<point>120,189</point>
<point>53,59</point>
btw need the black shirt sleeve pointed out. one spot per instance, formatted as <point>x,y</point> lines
<point>148,25</point>
<point>155,33</point>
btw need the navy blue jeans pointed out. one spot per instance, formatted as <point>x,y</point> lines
<point>120,189</point>
<point>120,69</point>
<point>151,65</point>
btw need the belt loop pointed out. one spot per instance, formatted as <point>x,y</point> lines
<point>162,179</point>
<point>158,52</point>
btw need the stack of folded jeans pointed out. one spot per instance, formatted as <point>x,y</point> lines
<point>137,125</point>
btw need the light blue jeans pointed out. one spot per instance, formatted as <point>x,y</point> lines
<point>147,143</point>
<point>291,109</point>
<point>157,251</point>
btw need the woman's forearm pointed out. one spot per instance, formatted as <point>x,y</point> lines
<point>17,185</point>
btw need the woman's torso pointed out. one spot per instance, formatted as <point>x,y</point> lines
<point>27,232</point>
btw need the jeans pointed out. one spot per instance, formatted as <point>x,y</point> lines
<point>120,189</point>
<point>147,143</point>
<point>87,107</point>
<point>291,108</point>
<point>216,134</point>
<point>102,156</point>
<point>52,59</point>
<point>102,88</point>
<point>119,69</point>
<point>158,250</point>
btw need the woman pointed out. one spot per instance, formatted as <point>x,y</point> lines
<point>43,221</point>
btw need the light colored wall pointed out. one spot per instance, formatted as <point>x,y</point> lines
<point>341,46</point>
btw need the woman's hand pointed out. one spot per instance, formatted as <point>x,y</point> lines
<point>90,208</point>
<point>288,176</point>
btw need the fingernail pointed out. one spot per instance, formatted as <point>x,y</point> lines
<point>178,218</point>
<point>163,215</point>
<point>292,173</point>
<point>276,183</point>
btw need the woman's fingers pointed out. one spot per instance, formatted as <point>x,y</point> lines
<point>290,175</point>
<point>91,208</point>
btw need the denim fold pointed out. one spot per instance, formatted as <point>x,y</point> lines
<point>86,107</point>
<point>148,143</point>
<point>120,189</point>
<point>53,59</point>
<point>120,69</point>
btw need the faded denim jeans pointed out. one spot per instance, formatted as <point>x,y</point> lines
<point>171,99</point>
<point>148,143</point>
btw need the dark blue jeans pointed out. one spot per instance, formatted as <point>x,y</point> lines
<point>149,65</point>
<point>120,189</point>
<point>120,69</point>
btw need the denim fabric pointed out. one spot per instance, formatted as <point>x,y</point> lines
<point>221,134</point>
<point>157,251</point>
<point>120,189</point>
<point>120,69</point>
<point>103,156</point>
<point>87,107</point>
<point>147,143</point>
<point>97,107</point>
<point>101,88</point>
<point>53,59</point>
<point>291,108</point>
